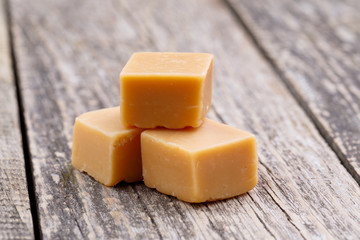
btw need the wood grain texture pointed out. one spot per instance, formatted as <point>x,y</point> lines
<point>315,47</point>
<point>69,63</point>
<point>15,216</point>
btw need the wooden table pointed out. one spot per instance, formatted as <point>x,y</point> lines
<point>288,71</point>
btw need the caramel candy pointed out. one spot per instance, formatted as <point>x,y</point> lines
<point>214,161</point>
<point>171,90</point>
<point>105,149</point>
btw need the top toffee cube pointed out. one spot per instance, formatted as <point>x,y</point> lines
<point>171,90</point>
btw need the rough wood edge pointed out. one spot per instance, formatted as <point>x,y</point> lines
<point>15,214</point>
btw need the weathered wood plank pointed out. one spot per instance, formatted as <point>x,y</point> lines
<point>15,215</point>
<point>315,47</point>
<point>69,63</point>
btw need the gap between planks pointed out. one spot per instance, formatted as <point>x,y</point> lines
<point>299,99</point>
<point>24,137</point>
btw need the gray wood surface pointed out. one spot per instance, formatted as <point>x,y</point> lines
<point>69,55</point>
<point>315,47</point>
<point>15,216</point>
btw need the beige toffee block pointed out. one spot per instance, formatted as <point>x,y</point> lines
<point>171,90</point>
<point>105,149</point>
<point>214,161</point>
